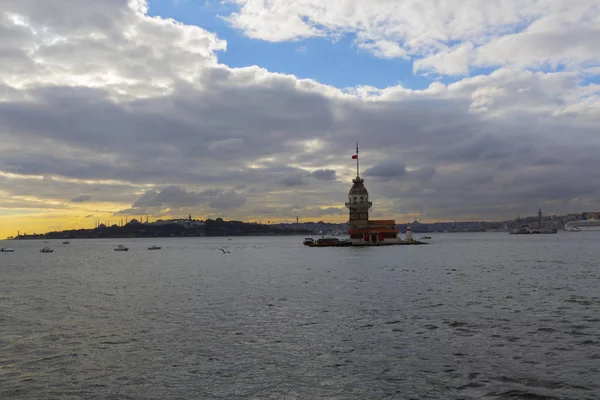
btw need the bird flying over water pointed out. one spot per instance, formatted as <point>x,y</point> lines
<point>225,251</point>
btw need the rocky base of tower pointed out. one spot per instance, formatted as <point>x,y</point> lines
<point>335,242</point>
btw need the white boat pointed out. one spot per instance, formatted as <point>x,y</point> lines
<point>46,250</point>
<point>6,250</point>
<point>308,241</point>
<point>154,247</point>
<point>121,248</point>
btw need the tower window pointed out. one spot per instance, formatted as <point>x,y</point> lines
<point>355,201</point>
<point>362,199</point>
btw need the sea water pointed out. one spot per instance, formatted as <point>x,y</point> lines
<point>469,316</point>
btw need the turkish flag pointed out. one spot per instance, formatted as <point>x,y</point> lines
<point>354,157</point>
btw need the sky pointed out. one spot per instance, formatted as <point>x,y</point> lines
<point>250,109</point>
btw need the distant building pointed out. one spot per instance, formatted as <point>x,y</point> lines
<point>591,215</point>
<point>185,222</point>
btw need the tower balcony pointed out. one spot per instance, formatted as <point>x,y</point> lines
<point>364,205</point>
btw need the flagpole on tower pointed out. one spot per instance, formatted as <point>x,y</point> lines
<point>357,174</point>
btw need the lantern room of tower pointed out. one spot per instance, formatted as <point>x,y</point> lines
<point>358,204</point>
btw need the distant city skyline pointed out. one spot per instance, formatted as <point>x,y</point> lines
<point>552,220</point>
<point>251,110</point>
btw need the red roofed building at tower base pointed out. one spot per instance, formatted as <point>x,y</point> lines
<point>365,232</point>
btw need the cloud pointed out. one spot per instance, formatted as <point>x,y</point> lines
<point>455,60</point>
<point>171,197</point>
<point>102,98</point>
<point>176,198</point>
<point>227,200</point>
<point>324,174</point>
<point>80,199</point>
<point>449,38</point>
<point>293,180</point>
<point>387,169</point>
<point>301,212</point>
<point>424,174</point>
<point>227,145</point>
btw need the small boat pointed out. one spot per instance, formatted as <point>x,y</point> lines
<point>66,242</point>
<point>425,237</point>
<point>121,248</point>
<point>6,250</point>
<point>308,241</point>
<point>154,247</point>
<point>47,250</point>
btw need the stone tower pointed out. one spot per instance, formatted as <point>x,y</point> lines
<point>540,218</point>
<point>358,204</point>
<point>358,200</point>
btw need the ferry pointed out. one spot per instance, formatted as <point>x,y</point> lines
<point>121,248</point>
<point>154,247</point>
<point>331,242</point>
<point>6,250</point>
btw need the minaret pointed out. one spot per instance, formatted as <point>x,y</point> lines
<point>540,218</point>
<point>358,200</point>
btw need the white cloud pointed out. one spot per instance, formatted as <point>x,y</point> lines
<point>450,61</point>
<point>447,37</point>
<point>384,48</point>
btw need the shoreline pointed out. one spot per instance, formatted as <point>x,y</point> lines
<point>154,237</point>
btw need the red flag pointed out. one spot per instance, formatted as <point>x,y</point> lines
<point>354,157</point>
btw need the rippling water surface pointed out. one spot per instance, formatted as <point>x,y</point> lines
<point>470,316</point>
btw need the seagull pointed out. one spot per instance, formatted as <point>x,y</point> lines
<point>225,251</point>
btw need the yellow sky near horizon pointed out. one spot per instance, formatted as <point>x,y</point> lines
<point>47,221</point>
<point>10,225</point>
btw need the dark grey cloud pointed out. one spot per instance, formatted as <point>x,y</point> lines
<point>302,212</point>
<point>81,199</point>
<point>227,200</point>
<point>172,197</point>
<point>387,169</point>
<point>176,198</point>
<point>424,174</point>
<point>324,174</point>
<point>293,180</point>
